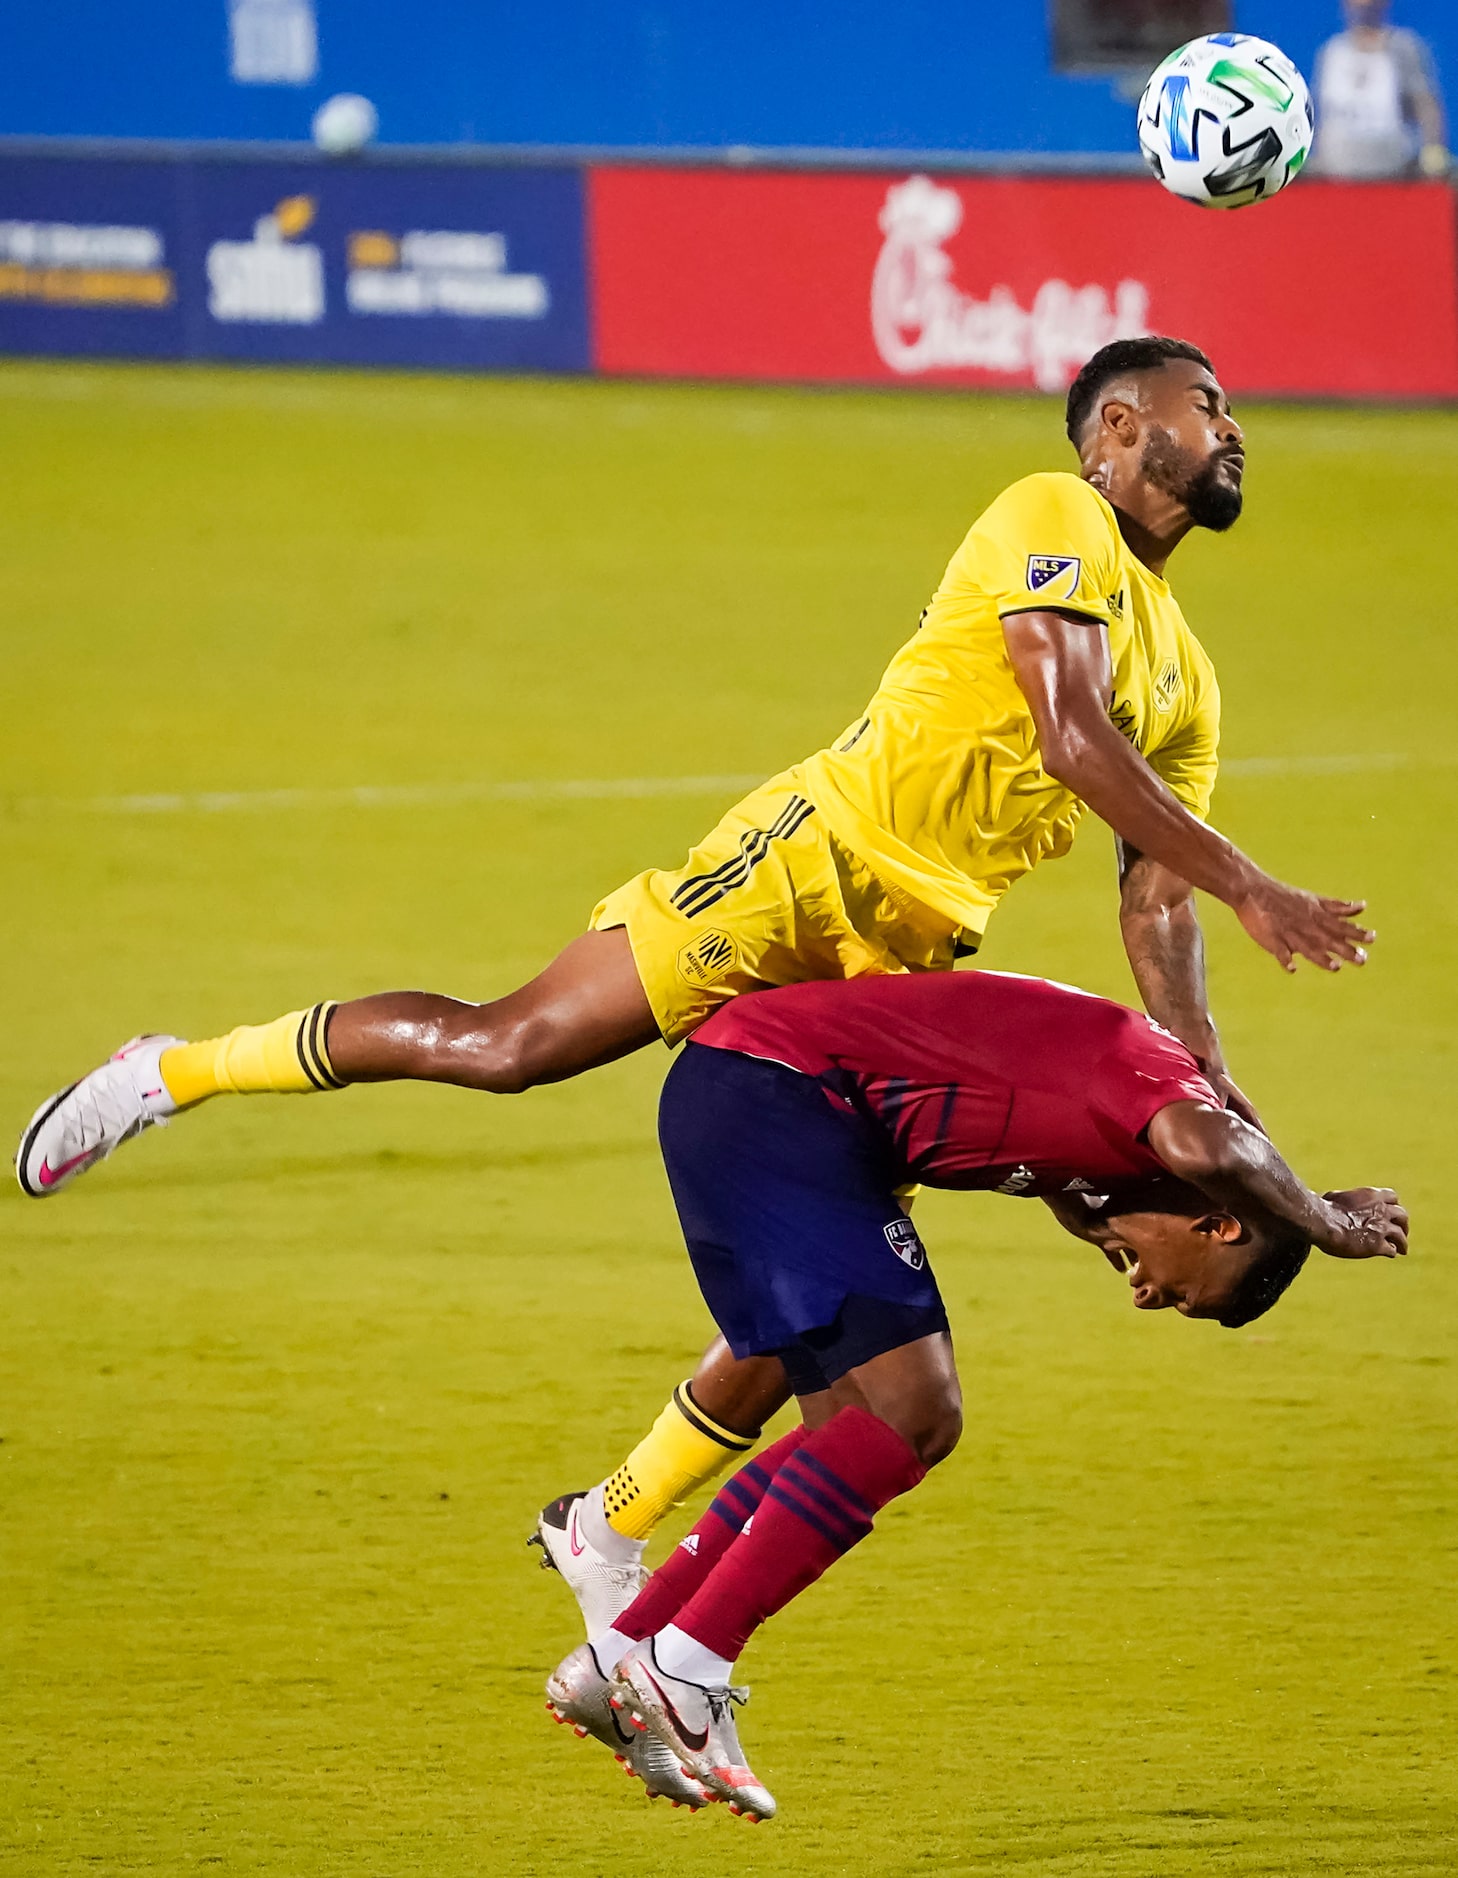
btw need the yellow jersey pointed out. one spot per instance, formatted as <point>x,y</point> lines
<point>939,787</point>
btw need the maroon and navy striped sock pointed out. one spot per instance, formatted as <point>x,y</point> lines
<point>820,1502</point>
<point>698,1552</point>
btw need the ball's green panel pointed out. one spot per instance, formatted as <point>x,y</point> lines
<point>1251,78</point>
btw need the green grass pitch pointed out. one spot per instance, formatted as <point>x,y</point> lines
<point>284,1386</point>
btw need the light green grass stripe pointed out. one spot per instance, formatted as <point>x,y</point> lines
<point>396,796</point>
<point>587,789</point>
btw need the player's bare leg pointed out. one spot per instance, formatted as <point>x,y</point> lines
<point>740,1392</point>
<point>588,1007</point>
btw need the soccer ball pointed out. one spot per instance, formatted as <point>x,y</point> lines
<point>344,124</point>
<point>1226,121</point>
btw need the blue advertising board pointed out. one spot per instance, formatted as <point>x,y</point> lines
<point>91,256</point>
<point>369,262</point>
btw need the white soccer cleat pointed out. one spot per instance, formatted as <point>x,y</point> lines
<point>70,1132</point>
<point>577,1693</point>
<point>697,1723</point>
<point>603,1587</point>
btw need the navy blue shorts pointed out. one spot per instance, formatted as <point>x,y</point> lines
<point>799,1244</point>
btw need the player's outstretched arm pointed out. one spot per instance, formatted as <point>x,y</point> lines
<point>1061,663</point>
<point>1240,1168</point>
<point>1166,949</point>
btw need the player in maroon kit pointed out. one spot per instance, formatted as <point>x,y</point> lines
<point>788,1123</point>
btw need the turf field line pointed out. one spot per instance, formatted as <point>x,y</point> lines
<point>418,795</point>
<point>590,789</point>
<point>1349,765</point>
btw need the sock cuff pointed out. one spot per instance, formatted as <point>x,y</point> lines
<point>882,1463</point>
<point>683,1401</point>
<point>682,1450</point>
<point>312,1045</point>
<point>838,1480</point>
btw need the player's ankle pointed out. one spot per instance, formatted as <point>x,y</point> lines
<point>604,1537</point>
<point>680,1655</point>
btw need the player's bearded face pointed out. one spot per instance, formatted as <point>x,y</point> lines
<point>1208,486</point>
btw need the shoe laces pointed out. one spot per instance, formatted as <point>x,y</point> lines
<point>102,1111</point>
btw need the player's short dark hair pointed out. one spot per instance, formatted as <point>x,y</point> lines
<point>1117,359</point>
<point>1266,1282</point>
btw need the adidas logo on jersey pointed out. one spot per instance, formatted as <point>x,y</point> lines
<point>690,1544</point>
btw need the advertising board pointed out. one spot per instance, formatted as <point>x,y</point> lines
<point>90,256</point>
<point>1346,290</point>
<point>372,264</point>
<point>378,264</point>
<point>1333,289</point>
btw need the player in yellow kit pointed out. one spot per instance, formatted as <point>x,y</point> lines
<point>893,845</point>
<point>1052,672</point>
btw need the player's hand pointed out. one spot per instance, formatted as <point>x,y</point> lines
<point>1292,924</point>
<point>1369,1223</point>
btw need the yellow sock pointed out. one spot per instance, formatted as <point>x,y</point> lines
<point>287,1056</point>
<point>684,1448</point>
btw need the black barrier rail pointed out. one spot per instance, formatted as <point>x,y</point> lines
<point>575,156</point>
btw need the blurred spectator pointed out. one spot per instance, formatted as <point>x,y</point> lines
<point>1378,107</point>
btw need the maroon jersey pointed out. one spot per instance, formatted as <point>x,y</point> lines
<point>979,1079</point>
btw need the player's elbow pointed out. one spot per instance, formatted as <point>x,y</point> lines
<point>1208,1153</point>
<point>1069,755</point>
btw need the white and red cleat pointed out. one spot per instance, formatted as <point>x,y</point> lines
<point>603,1587</point>
<point>70,1132</point>
<point>697,1723</point>
<point>577,1694</point>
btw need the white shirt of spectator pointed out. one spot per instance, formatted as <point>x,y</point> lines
<point>1364,113</point>
<point>1361,96</point>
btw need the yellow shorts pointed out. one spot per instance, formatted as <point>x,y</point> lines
<point>768,898</point>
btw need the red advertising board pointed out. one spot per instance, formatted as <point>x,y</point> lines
<point>1333,289</point>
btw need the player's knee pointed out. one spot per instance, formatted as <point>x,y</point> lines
<point>517,1063</point>
<point>940,1433</point>
<point>483,1049</point>
<point>514,1044</point>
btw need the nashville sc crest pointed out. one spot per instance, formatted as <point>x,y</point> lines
<point>708,957</point>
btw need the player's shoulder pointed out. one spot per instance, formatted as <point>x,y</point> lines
<point>1050,498</point>
<point>1056,489</point>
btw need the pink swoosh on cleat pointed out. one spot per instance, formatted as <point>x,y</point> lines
<point>735,1776</point>
<point>48,1175</point>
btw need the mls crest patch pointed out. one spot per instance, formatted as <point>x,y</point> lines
<point>1055,575</point>
<point>902,1239</point>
